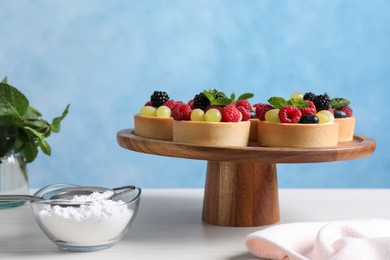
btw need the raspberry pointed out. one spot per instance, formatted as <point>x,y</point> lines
<point>331,110</point>
<point>246,114</point>
<point>158,98</point>
<point>347,110</point>
<point>245,103</point>
<point>289,114</point>
<point>310,109</point>
<point>179,103</point>
<point>258,105</point>
<point>170,103</point>
<point>230,114</point>
<point>182,112</point>
<point>191,104</point>
<point>261,109</point>
<point>149,103</point>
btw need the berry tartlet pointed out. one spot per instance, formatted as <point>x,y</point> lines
<point>154,120</point>
<point>211,118</point>
<point>303,121</point>
<point>344,117</point>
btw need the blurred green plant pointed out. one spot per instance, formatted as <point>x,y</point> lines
<point>22,127</point>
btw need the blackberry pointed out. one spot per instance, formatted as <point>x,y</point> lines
<point>322,102</point>
<point>309,96</point>
<point>201,101</point>
<point>158,98</point>
<point>309,119</point>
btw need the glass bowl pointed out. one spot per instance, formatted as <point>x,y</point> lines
<point>85,226</point>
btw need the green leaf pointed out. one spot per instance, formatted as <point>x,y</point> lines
<point>245,96</point>
<point>233,97</point>
<point>6,120</point>
<point>217,97</point>
<point>32,113</point>
<point>224,101</point>
<point>30,152</point>
<point>56,123</point>
<point>277,102</point>
<point>336,103</point>
<point>209,95</point>
<point>45,147</point>
<point>298,104</point>
<point>12,101</point>
<point>32,130</point>
<point>39,125</point>
<point>33,133</point>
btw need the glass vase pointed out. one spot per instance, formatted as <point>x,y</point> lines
<point>13,170</point>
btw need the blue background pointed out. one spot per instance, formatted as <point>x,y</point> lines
<point>105,58</point>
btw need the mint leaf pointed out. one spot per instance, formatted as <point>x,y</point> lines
<point>245,96</point>
<point>233,97</point>
<point>32,113</point>
<point>56,123</point>
<point>277,102</point>
<point>209,94</point>
<point>217,98</point>
<point>223,101</point>
<point>45,147</point>
<point>5,80</point>
<point>31,129</point>
<point>30,152</point>
<point>298,104</point>
<point>336,103</point>
<point>39,125</point>
<point>12,101</point>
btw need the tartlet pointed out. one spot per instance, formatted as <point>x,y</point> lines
<point>346,128</point>
<point>153,127</point>
<point>211,133</point>
<point>297,135</point>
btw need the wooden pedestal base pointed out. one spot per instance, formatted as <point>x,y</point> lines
<point>241,194</point>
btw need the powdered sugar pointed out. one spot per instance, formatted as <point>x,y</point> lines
<point>94,223</point>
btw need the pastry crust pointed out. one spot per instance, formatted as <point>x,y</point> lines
<point>297,135</point>
<point>211,133</point>
<point>346,128</point>
<point>153,127</point>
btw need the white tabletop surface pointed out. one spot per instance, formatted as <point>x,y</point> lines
<point>169,225</point>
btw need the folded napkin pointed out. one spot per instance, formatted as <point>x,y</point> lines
<point>351,239</point>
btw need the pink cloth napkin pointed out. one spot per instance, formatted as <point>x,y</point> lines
<point>351,239</point>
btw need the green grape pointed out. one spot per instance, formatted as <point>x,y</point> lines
<point>325,116</point>
<point>272,116</point>
<point>148,111</point>
<point>213,115</point>
<point>197,115</point>
<point>296,96</point>
<point>163,112</point>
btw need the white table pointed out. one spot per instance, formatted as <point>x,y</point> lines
<point>169,226</point>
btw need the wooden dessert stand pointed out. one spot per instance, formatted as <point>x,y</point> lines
<point>241,187</point>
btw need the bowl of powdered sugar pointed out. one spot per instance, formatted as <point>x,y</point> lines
<point>89,222</point>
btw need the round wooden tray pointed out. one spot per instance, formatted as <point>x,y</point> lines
<point>241,186</point>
